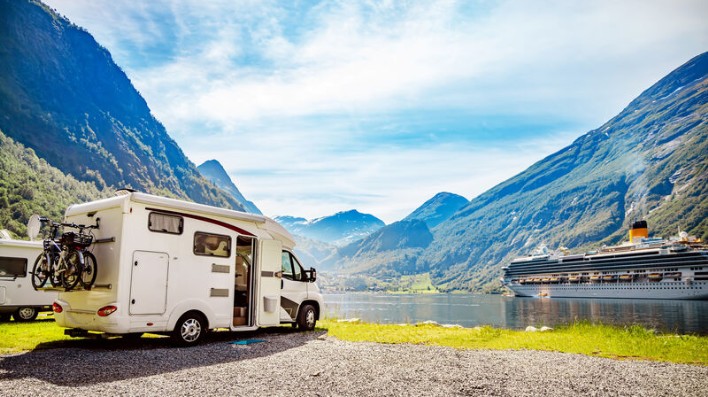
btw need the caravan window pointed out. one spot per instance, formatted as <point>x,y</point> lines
<point>210,244</point>
<point>13,267</point>
<point>163,223</point>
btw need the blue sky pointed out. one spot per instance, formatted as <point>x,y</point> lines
<point>315,107</point>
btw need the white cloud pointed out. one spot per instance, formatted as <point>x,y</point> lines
<point>549,57</point>
<point>287,95</point>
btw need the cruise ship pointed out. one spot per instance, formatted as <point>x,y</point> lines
<point>643,268</point>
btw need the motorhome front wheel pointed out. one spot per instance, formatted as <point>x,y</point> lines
<point>307,318</point>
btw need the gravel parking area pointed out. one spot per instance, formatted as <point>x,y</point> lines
<point>290,364</point>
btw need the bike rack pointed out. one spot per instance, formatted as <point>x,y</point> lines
<point>62,289</point>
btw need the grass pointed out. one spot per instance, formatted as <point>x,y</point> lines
<point>623,343</point>
<point>418,283</point>
<point>633,342</point>
<point>16,337</point>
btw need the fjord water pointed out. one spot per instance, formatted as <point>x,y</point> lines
<point>675,316</point>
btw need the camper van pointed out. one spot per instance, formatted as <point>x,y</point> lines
<point>181,268</point>
<point>17,297</point>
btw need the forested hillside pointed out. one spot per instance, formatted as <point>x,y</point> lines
<point>28,185</point>
<point>62,96</point>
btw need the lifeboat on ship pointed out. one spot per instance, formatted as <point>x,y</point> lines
<point>656,277</point>
<point>625,278</point>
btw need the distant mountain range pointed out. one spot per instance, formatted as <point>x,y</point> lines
<point>338,229</point>
<point>215,172</point>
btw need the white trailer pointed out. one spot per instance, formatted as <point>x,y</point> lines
<point>17,296</point>
<point>180,268</point>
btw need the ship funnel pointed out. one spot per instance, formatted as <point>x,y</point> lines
<point>637,231</point>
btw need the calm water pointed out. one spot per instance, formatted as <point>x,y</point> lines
<point>685,317</point>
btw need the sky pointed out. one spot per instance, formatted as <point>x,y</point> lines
<point>316,107</point>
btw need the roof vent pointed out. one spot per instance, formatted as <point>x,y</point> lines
<point>124,192</point>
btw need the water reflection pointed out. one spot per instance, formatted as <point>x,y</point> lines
<point>517,313</point>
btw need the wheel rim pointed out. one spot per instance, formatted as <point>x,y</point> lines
<point>310,318</point>
<point>190,330</point>
<point>26,313</point>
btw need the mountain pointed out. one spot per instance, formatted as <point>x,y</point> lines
<point>216,174</point>
<point>62,96</point>
<point>649,162</point>
<point>338,229</point>
<point>387,252</point>
<point>438,209</point>
<point>29,185</point>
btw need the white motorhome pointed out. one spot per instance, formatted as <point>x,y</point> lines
<point>170,266</point>
<point>17,296</point>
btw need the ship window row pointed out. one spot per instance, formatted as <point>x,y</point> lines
<point>624,288</point>
<point>556,266</point>
<point>621,287</point>
<point>606,261</point>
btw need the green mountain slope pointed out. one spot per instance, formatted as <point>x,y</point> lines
<point>62,95</point>
<point>388,252</point>
<point>649,162</point>
<point>28,185</point>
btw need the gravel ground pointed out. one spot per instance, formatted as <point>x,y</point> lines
<point>312,364</point>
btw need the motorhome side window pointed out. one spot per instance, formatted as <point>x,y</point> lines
<point>13,267</point>
<point>210,244</point>
<point>291,268</point>
<point>163,223</point>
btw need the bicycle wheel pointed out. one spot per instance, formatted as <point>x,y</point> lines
<point>88,273</point>
<point>54,272</point>
<point>70,273</point>
<point>40,271</point>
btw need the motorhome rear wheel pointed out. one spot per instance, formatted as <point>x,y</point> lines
<point>190,329</point>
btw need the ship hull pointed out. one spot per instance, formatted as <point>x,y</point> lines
<point>697,290</point>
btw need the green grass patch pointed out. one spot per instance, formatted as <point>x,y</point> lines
<point>633,342</point>
<point>418,283</point>
<point>16,337</point>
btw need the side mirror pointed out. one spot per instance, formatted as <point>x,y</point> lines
<point>312,277</point>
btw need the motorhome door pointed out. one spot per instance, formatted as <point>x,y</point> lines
<point>148,285</point>
<point>269,276</point>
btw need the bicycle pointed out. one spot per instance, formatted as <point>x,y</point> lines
<point>44,267</point>
<point>66,261</point>
<point>80,263</point>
